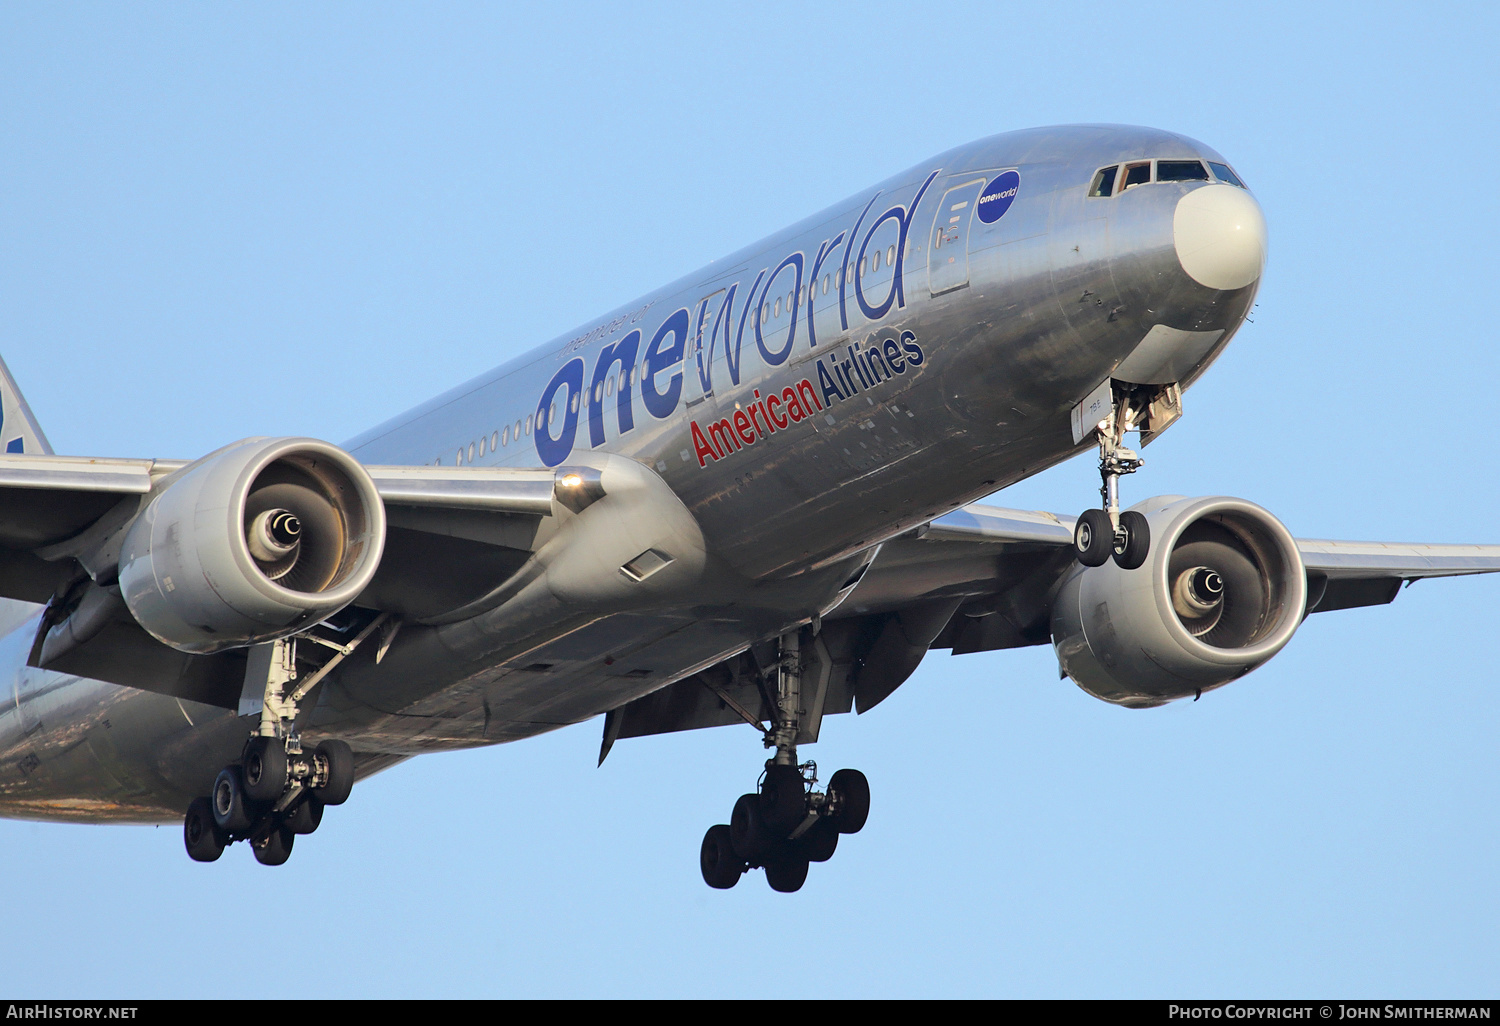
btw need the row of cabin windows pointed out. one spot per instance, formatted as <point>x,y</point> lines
<point>874,262</point>
<point>522,428</point>
<point>1140,172</point>
<point>629,375</point>
<point>493,443</point>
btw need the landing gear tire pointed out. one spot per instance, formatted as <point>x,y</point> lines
<point>820,842</point>
<point>264,766</point>
<point>335,790</point>
<point>786,872</point>
<point>1134,544</point>
<point>852,790</point>
<point>721,865</point>
<point>1093,537</point>
<point>202,836</point>
<point>747,830</point>
<point>231,807</point>
<point>783,799</point>
<point>276,847</point>
<point>305,815</point>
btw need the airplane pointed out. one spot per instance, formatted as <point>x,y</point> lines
<point>747,497</point>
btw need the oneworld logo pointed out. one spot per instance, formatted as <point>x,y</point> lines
<point>998,196</point>
<point>840,276</point>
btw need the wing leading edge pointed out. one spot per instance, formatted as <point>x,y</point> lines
<point>1341,574</point>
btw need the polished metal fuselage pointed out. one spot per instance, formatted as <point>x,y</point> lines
<point>999,329</point>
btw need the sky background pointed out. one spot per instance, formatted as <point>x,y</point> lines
<point>223,220</point>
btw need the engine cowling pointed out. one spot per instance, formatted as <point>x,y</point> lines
<point>1221,592</point>
<point>252,543</point>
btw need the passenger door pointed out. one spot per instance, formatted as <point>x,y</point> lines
<point>948,243</point>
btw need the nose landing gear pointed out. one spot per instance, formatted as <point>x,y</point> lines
<point>787,823</point>
<point>1104,533</point>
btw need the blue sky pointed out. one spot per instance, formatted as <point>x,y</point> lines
<point>221,220</point>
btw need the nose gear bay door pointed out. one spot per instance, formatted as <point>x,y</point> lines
<point>948,244</point>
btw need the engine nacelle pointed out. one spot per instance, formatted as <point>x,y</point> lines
<point>252,543</point>
<point>1222,591</point>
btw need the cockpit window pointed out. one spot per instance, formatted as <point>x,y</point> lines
<point>1104,181</point>
<point>1180,171</point>
<point>1136,174</point>
<point>1224,174</point>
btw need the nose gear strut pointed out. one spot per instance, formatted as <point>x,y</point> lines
<point>787,823</point>
<point>1102,533</point>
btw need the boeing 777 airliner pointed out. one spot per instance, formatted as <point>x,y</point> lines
<point>744,497</point>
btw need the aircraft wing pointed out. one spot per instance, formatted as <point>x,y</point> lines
<point>1341,574</point>
<point>49,505</point>
<point>451,533</point>
<point>979,579</point>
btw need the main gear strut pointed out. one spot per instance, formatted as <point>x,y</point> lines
<point>787,823</point>
<point>277,790</point>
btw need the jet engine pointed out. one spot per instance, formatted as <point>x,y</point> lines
<point>252,543</point>
<point>1221,592</point>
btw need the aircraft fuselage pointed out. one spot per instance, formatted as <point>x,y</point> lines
<point>909,350</point>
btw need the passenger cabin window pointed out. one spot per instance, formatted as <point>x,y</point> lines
<point>1136,174</point>
<point>493,439</point>
<point>1180,171</point>
<point>1224,174</point>
<point>1104,181</point>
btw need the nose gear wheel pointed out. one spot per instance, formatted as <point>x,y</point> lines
<point>1104,534</point>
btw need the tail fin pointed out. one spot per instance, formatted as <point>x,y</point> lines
<point>19,431</point>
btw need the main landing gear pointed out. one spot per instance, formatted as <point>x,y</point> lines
<point>1102,533</point>
<point>277,790</point>
<point>786,824</point>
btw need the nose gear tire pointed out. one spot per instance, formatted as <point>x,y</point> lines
<point>1131,551</point>
<point>1093,537</point>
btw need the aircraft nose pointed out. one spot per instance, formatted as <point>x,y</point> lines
<point>1220,236</point>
